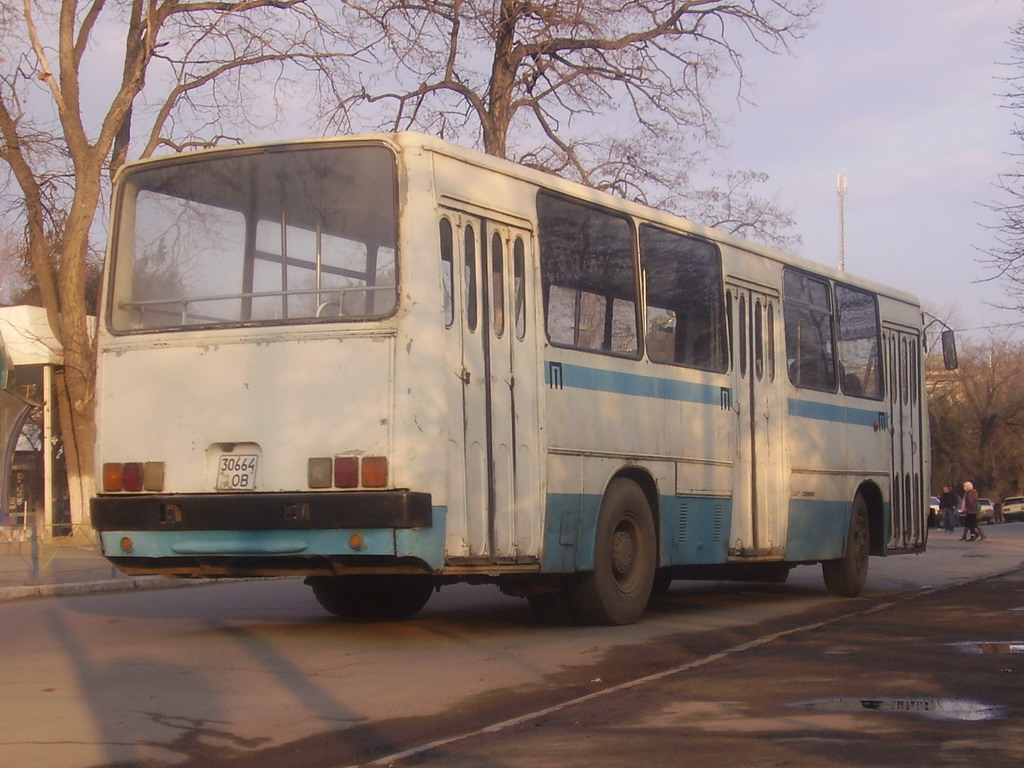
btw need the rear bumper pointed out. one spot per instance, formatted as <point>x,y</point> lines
<point>262,511</point>
<point>271,534</point>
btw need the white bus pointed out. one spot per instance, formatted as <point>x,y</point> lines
<point>386,363</point>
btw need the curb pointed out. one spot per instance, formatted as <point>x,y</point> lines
<point>132,584</point>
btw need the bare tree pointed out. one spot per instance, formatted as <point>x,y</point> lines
<point>977,414</point>
<point>617,95</point>
<point>14,280</point>
<point>187,69</point>
<point>1006,258</point>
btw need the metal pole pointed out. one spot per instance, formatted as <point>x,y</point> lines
<point>35,544</point>
<point>47,446</point>
<point>841,189</point>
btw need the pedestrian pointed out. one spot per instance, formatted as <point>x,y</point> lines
<point>970,507</point>
<point>948,503</point>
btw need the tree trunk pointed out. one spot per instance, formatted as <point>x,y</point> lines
<point>500,88</point>
<point>75,382</point>
<point>78,434</point>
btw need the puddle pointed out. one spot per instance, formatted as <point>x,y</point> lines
<point>935,709</point>
<point>1011,647</point>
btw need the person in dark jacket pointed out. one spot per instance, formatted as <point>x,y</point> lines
<point>948,504</point>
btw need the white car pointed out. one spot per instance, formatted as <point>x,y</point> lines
<point>1013,508</point>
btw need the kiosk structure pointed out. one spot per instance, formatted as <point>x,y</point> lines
<point>29,487</point>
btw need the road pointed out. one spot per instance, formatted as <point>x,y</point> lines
<point>255,674</point>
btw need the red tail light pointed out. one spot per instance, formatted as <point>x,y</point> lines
<point>375,472</point>
<point>133,476</point>
<point>113,477</point>
<point>346,472</point>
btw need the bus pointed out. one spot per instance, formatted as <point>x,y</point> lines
<point>387,364</point>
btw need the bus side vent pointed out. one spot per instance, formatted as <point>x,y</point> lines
<point>681,528</point>
<point>717,533</point>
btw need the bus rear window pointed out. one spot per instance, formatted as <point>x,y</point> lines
<point>266,237</point>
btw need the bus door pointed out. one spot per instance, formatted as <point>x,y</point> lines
<point>493,410</point>
<point>759,485</point>
<point>903,393</point>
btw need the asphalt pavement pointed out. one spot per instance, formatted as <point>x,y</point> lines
<point>925,669</point>
<point>927,680</point>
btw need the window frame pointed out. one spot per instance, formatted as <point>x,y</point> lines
<point>610,301</point>
<point>718,355</point>
<point>124,254</point>
<point>800,313</point>
<point>879,378</point>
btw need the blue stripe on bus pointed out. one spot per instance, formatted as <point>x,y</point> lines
<point>570,530</point>
<point>563,375</point>
<point>817,529</point>
<point>839,414</point>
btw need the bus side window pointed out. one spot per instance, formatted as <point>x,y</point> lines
<point>685,315</point>
<point>519,287</point>
<point>588,274</point>
<point>498,284</point>
<point>758,341</point>
<point>807,308</point>
<point>469,254</point>
<point>859,335</point>
<point>447,272</point>
<point>742,327</point>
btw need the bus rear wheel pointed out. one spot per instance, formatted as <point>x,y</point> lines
<point>386,597</point>
<point>625,558</point>
<point>846,576</point>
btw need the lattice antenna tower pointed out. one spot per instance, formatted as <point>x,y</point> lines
<point>841,191</point>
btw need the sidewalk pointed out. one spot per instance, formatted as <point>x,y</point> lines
<point>74,566</point>
<point>948,560</point>
<point>65,566</point>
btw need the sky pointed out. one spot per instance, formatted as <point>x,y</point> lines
<point>903,98</point>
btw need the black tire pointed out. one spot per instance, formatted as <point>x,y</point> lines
<point>386,597</point>
<point>625,558</point>
<point>846,576</point>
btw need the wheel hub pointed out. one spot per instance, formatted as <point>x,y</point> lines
<point>623,553</point>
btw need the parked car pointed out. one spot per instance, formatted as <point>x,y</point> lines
<point>934,516</point>
<point>1013,508</point>
<point>987,512</point>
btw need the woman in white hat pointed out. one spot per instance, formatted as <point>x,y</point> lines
<point>970,509</point>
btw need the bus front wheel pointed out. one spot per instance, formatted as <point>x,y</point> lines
<point>846,576</point>
<point>625,557</point>
<point>385,597</point>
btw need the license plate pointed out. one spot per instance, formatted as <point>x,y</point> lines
<point>237,473</point>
